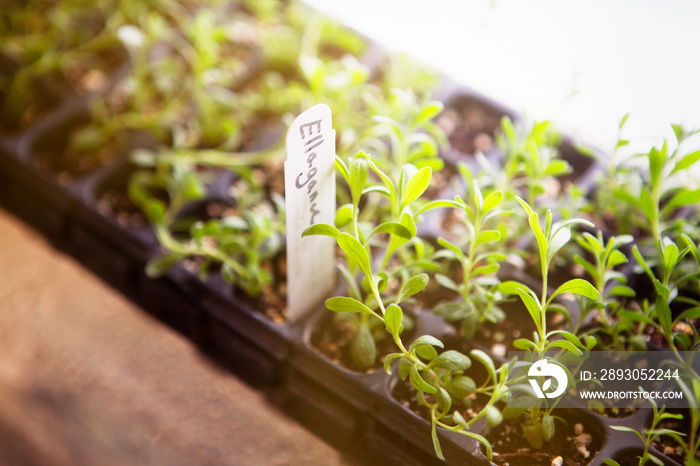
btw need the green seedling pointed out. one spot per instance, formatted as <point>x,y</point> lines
<point>540,426</point>
<point>612,290</point>
<point>652,433</point>
<point>479,263</point>
<point>241,243</point>
<point>436,377</point>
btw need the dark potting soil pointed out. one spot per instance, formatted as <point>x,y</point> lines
<point>574,442</point>
<point>272,301</point>
<point>470,128</point>
<point>114,203</point>
<point>499,337</point>
<point>92,74</point>
<point>68,165</point>
<point>405,394</point>
<point>334,340</point>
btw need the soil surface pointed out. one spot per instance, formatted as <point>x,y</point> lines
<point>576,444</point>
<point>469,126</point>
<point>69,165</point>
<point>334,339</point>
<point>116,204</point>
<point>273,299</point>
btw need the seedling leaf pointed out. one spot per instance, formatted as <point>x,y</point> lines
<point>347,304</point>
<point>355,252</point>
<point>321,229</point>
<point>412,286</point>
<point>393,319</point>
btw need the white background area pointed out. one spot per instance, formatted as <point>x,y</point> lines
<point>582,64</point>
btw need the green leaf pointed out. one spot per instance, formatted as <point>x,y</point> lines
<point>533,307</point>
<point>321,229</point>
<point>154,210</point>
<point>451,360</point>
<point>364,349</point>
<point>447,282</point>
<point>486,360</point>
<point>622,290</point>
<point>534,222</point>
<point>377,189</point>
<point>392,228</point>
<point>548,427</point>
<point>396,241</point>
<point>577,286</point>
<point>524,345</point>
<point>534,436</point>
<point>426,352</point>
<point>671,256</point>
<point>687,161</point>
<point>693,313</point>
<point>486,269</point>
<point>560,238</point>
<point>393,318</point>
<point>482,440</point>
<point>343,216</point>
<point>428,111</point>
<point>488,236</point>
<point>557,168</point>
<point>610,462</point>
<point>633,316</point>
<point>517,406</point>
<point>510,287</point>
<point>436,441</point>
<point>342,168</point>
<point>359,169</point>
<point>461,387</point>
<point>493,416</point>
<point>418,382</point>
<point>647,204</point>
<point>161,264</point>
<point>436,205</point>
<point>391,357</point>
<point>405,366</point>
<point>412,286</point>
<point>347,304</point>
<point>627,429</point>
<point>663,311</point>
<point>616,258</point>
<point>656,164</point>
<point>444,400</point>
<point>459,420</point>
<point>451,246</point>
<point>525,205</point>
<point>567,345</point>
<point>426,340</point>
<point>683,198</point>
<point>416,186</point>
<point>492,201</point>
<point>355,252</point>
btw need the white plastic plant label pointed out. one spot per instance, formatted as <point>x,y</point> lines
<point>309,175</point>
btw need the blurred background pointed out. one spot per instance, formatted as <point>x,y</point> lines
<point>581,64</point>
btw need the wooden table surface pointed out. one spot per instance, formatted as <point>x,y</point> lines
<point>87,378</point>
